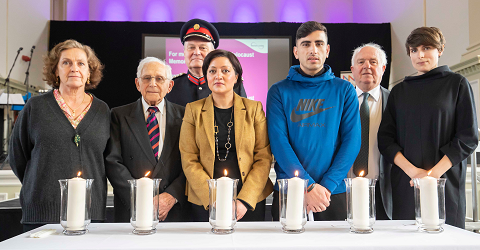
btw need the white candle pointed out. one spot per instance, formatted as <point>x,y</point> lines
<point>360,201</point>
<point>295,195</point>
<point>429,202</point>
<point>224,203</point>
<point>144,203</point>
<point>76,203</point>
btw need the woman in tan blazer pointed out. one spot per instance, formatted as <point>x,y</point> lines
<point>226,132</point>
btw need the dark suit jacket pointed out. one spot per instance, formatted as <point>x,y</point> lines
<point>385,168</point>
<point>129,156</point>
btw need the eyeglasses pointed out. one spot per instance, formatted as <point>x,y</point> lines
<point>148,79</point>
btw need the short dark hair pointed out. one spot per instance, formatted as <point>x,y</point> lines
<point>430,36</point>
<point>230,56</point>
<point>51,62</point>
<point>308,27</point>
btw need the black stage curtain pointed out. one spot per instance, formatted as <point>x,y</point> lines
<point>119,46</point>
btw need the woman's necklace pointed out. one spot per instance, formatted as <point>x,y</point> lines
<point>227,145</point>
<point>73,110</point>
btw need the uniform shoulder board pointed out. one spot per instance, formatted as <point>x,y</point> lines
<point>178,75</point>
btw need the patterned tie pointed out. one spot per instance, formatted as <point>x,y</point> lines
<point>361,163</point>
<point>153,130</point>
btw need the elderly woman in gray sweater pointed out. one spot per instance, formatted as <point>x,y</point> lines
<point>60,133</point>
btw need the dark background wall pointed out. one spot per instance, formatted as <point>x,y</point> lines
<point>119,46</point>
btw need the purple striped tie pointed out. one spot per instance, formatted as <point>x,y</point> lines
<point>153,130</point>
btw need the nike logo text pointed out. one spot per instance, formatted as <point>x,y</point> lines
<point>312,105</point>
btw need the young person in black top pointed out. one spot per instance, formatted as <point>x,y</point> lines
<point>429,124</point>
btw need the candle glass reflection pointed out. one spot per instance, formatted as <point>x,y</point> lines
<point>144,205</point>
<point>223,205</point>
<point>360,204</point>
<point>76,202</point>
<point>429,195</point>
<point>293,207</point>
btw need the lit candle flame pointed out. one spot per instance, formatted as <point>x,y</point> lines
<point>429,172</point>
<point>361,173</point>
<point>225,172</point>
<point>147,173</point>
<point>79,173</point>
<point>296,173</point>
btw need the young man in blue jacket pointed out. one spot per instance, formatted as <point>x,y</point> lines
<point>314,126</point>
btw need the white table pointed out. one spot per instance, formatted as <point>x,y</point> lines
<point>252,235</point>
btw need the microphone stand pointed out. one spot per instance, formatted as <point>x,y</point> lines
<point>28,69</point>
<point>7,84</point>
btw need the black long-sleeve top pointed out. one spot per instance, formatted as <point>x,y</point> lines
<point>427,117</point>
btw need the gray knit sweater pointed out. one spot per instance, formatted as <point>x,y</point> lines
<point>42,151</point>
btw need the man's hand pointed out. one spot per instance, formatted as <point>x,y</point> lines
<point>165,203</point>
<point>318,199</point>
<point>241,210</point>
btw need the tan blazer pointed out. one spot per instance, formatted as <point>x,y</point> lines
<point>197,148</point>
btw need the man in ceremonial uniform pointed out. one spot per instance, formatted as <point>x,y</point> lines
<point>199,38</point>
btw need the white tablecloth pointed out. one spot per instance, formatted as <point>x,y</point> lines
<point>252,235</point>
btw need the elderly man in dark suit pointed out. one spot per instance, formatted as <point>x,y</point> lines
<point>144,137</point>
<point>368,65</point>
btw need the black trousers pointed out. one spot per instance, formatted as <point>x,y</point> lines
<point>199,214</point>
<point>336,211</point>
<point>379,209</point>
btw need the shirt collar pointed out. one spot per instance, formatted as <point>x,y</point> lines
<point>374,93</point>
<point>159,106</point>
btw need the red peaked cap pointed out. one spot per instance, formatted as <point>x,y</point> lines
<point>200,28</point>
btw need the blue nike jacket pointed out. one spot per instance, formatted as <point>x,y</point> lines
<point>314,127</point>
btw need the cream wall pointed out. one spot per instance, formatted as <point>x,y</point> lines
<point>23,23</point>
<point>3,38</point>
<point>452,18</point>
<point>474,7</point>
<point>449,16</point>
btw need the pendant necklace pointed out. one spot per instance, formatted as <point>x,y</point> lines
<point>73,110</point>
<point>227,145</point>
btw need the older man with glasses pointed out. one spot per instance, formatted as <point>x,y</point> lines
<point>144,137</point>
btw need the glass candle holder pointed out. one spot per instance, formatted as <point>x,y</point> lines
<point>76,201</point>
<point>293,207</point>
<point>360,204</point>
<point>144,205</point>
<point>429,204</point>
<point>223,205</point>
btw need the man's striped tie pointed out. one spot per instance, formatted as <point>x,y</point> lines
<point>153,130</point>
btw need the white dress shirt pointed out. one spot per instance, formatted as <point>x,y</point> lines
<point>375,104</point>
<point>161,119</point>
